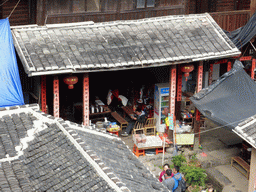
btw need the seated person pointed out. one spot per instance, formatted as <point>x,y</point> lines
<point>139,116</point>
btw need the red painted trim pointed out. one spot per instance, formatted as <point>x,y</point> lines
<point>43,94</point>
<point>246,58</point>
<point>221,61</point>
<point>86,99</point>
<point>56,97</point>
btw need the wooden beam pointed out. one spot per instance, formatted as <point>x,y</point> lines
<point>245,58</point>
<point>56,97</point>
<point>43,94</point>
<point>86,99</point>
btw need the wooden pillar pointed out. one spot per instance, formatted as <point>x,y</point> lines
<point>56,97</point>
<point>253,68</point>
<point>199,87</point>
<point>210,74</point>
<point>172,95</point>
<point>43,93</point>
<point>252,176</point>
<point>41,12</point>
<point>252,7</point>
<point>179,92</point>
<point>86,99</point>
<point>229,66</point>
<point>172,92</point>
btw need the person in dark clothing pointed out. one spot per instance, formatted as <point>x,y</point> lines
<point>139,116</point>
<point>169,181</point>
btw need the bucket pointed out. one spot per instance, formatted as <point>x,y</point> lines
<point>99,124</point>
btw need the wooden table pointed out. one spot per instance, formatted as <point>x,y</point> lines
<point>129,111</point>
<point>141,151</point>
<point>106,110</point>
<point>243,165</point>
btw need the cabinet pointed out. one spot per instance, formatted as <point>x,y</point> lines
<point>161,105</point>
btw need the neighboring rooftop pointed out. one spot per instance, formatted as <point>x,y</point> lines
<point>41,153</point>
<point>247,130</point>
<point>118,45</point>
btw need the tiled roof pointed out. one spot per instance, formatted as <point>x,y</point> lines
<point>118,45</point>
<point>41,153</point>
<point>247,130</point>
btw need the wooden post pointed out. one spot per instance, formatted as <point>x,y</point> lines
<point>56,97</point>
<point>199,87</point>
<point>253,68</point>
<point>252,7</point>
<point>86,99</point>
<point>210,74</point>
<point>41,12</point>
<point>172,95</point>
<point>172,89</point>
<point>179,92</point>
<point>179,84</point>
<point>43,93</point>
<point>229,66</point>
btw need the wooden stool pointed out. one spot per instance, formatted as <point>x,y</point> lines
<point>137,151</point>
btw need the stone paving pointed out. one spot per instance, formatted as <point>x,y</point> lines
<point>215,156</point>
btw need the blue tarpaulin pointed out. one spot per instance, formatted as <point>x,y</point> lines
<point>10,85</point>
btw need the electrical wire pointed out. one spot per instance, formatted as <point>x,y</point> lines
<point>221,126</point>
<point>14,9</point>
<point>3,3</point>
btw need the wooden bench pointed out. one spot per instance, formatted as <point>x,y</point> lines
<point>243,165</point>
<point>123,123</point>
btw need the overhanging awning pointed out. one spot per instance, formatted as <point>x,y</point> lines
<point>230,100</point>
<point>119,45</point>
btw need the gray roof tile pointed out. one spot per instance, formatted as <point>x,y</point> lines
<point>121,44</point>
<point>247,130</point>
<point>52,159</point>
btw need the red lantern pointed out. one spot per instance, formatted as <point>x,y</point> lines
<point>70,81</point>
<point>186,69</point>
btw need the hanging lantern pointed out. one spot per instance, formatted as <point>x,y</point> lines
<point>186,69</point>
<point>70,81</point>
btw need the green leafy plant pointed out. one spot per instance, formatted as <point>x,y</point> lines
<point>179,160</point>
<point>195,176</point>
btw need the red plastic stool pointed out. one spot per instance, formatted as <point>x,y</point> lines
<point>159,150</point>
<point>137,151</point>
